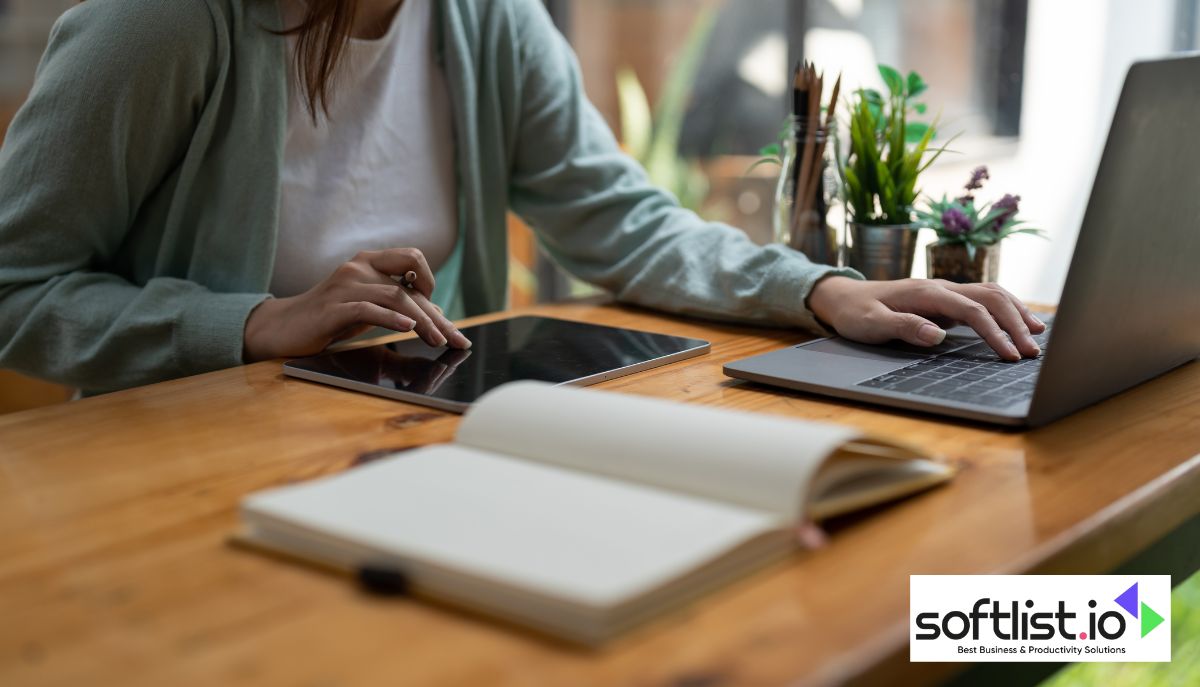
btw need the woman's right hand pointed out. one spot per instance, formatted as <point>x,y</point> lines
<point>360,294</point>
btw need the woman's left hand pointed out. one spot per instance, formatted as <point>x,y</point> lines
<point>911,310</point>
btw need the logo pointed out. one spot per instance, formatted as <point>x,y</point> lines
<point>1020,618</point>
<point>1128,600</point>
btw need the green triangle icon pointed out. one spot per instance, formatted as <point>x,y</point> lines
<point>1150,619</point>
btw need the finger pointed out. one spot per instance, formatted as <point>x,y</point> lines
<point>909,327</point>
<point>428,327</point>
<point>403,301</point>
<point>350,314</point>
<point>451,332</point>
<point>425,326</point>
<point>394,262</point>
<point>1001,307</point>
<point>1035,325</point>
<point>391,296</point>
<point>943,301</point>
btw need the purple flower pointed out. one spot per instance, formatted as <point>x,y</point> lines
<point>955,222</point>
<point>978,176</point>
<point>1010,204</point>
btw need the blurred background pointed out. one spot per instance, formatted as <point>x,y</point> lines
<point>1030,84</point>
<point>695,88</point>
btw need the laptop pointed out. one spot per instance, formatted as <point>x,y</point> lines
<point>1130,309</point>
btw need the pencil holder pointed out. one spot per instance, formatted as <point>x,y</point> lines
<point>804,194</point>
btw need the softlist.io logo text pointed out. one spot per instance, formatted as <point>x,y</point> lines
<point>1019,618</point>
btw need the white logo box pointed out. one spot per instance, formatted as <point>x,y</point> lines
<point>969,618</point>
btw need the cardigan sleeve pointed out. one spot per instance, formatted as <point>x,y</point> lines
<point>114,103</point>
<point>596,212</point>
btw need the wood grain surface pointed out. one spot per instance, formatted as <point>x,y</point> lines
<point>115,512</point>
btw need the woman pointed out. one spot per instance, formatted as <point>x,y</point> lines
<point>194,184</point>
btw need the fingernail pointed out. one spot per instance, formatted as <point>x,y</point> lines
<point>1036,319</point>
<point>461,341</point>
<point>438,339</point>
<point>930,335</point>
<point>1012,352</point>
<point>404,324</point>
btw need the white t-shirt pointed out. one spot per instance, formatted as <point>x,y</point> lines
<point>379,171</point>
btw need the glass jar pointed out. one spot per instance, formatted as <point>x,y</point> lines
<point>805,226</point>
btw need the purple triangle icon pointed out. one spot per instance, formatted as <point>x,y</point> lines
<point>1129,600</point>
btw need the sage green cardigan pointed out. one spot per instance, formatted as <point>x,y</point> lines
<point>139,190</point>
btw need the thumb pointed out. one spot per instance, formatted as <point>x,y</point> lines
<point>915,329</point>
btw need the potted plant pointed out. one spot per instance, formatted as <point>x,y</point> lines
<point>969,235</point>
<point>879,170</point>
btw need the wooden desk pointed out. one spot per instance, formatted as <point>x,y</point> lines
<point>114,513</point>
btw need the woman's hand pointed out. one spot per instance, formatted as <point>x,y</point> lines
<point>360,294</point>
<point>914,311</point>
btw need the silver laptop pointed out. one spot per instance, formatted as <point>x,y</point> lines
<point>1129,312</point>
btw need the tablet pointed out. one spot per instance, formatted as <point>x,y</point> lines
<point>540,348</point>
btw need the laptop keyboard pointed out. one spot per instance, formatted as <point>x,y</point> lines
<point>974,374</point>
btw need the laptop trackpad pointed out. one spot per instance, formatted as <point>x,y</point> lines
<point>894,351</point>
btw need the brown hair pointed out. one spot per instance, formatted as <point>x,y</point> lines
<point>321,39</point>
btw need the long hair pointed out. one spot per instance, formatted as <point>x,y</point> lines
<point>321,38</point>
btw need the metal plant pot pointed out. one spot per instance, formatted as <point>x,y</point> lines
<point>881,252</point>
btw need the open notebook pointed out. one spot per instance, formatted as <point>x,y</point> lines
<point>581,513</point>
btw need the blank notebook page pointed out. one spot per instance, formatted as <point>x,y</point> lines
<point>589,539</point>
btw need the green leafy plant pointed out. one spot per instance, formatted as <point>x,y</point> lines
<point>652,137</point>
<point>887,152</point>
<point>961,220</point>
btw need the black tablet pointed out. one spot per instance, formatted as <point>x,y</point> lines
<point>539,348</point>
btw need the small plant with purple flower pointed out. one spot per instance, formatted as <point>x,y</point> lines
<point>962,221</point>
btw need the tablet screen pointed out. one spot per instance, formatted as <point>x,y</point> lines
<point>520,348</point>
